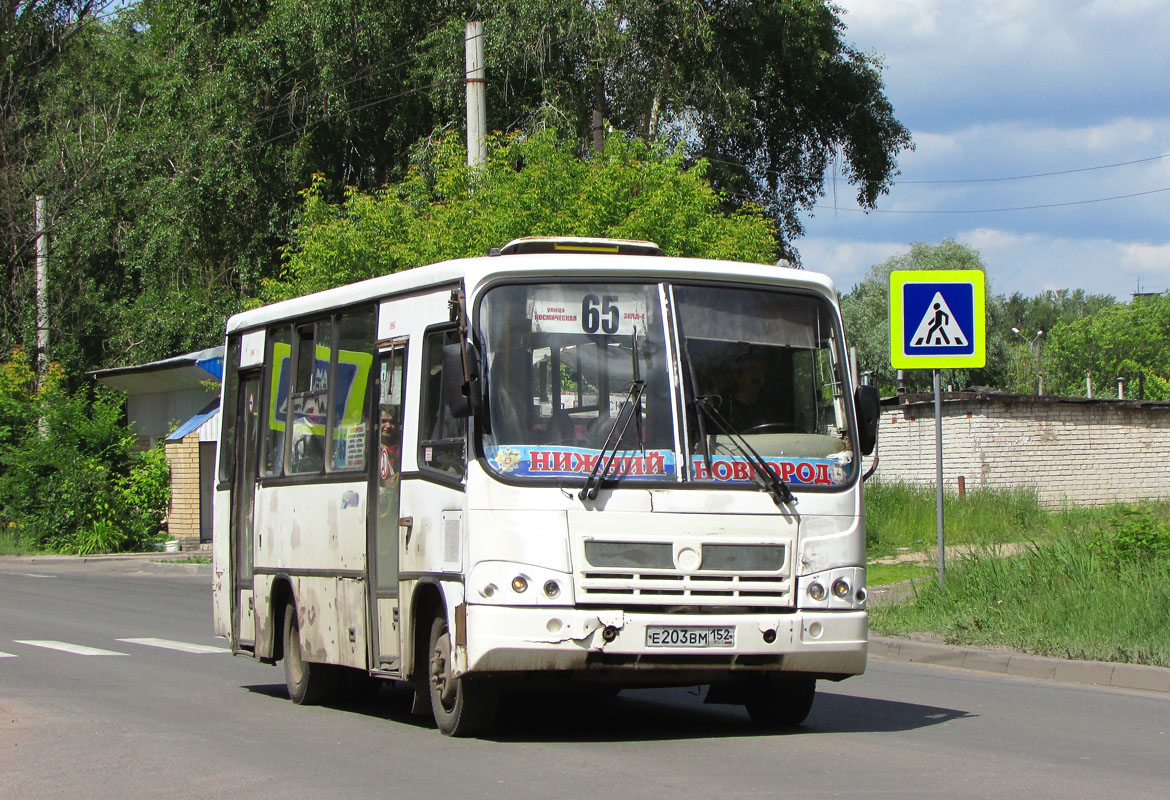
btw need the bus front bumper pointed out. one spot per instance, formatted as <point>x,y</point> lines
<point>510,639</point>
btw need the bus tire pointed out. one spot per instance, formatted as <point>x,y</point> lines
<point>463,706</point>
<point>781,702</point>
<point>309,683</point>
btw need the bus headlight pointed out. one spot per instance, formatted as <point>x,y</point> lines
<point>504,583</point>
<point>840,589</point>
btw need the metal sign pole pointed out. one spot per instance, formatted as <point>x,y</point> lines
<point>938,320</point>
<point>938,472</point>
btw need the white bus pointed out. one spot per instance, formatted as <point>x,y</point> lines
<point>569,462</point>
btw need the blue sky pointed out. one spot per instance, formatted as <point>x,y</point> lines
<point>996,89</point>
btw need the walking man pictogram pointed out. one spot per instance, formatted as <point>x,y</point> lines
<point>941,318</point>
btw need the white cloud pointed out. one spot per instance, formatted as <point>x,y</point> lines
<point>1001,88</point>
<point>845,262</point>
<point>951,62</point>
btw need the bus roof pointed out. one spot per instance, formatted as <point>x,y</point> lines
<point>475,273</point>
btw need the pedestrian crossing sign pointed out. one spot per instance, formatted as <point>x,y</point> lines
<point>937,319</point>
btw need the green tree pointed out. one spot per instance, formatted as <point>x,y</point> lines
<point>531,185</point>
<point>178,135</point>
<point>36,36</point>
<point>770,94</point>
<point>69,478</point>
<point>1034,318</point>
<point>1127,340</point>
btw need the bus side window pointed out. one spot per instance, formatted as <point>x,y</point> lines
<point>441,443</point>
<point>227,450</point>
<point>350,413</point>
<point>278,372</point>
<point>310,397</point>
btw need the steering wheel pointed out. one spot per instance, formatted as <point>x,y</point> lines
<point>773,427</point>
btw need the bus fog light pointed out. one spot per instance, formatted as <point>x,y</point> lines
<point>815,630</point>
<point>554,625</point>
<point>609,633</point>
<point>841,588</point>
<point>489,590</point>
<point>816,590</point>
<point>769,636</point>
<point>861,595</point>
<point>551,589</point>
<point>519,584</point>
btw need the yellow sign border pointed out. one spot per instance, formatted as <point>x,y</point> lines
<point>898,357</point>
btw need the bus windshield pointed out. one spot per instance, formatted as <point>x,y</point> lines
<point>561,361</point>
<point>764,366</point>
<point>756,365</point>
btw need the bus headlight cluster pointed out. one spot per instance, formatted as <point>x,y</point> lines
<point>509,583</point>
<point>842,588</point>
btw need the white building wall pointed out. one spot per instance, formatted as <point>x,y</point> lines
<point>1083,452</point>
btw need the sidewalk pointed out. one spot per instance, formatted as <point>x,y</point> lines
<point>1006,662</point>
<point>157,562</point>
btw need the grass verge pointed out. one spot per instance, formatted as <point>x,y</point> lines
<point>13,545</point>
<point>1099,593</point>
<point>901,517</point>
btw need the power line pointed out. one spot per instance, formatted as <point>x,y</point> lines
<point>1074,171</point>
<point>995,210</point>
<point>1041,174</point>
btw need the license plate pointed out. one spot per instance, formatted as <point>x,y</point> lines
<point>690,636</point>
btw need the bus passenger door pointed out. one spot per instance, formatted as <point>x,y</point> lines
<point>383,541</point>
<point>242,517</point>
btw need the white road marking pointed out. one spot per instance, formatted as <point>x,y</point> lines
<point>185,647</point>
<point>7,655</point>
<point>66,647</point>
<point>36,575</point>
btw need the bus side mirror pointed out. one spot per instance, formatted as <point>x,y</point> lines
<point>461,397</point>
<point>869,409</point>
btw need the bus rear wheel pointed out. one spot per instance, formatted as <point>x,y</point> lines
<point>781,702</point>
<point>464,705</point>
<point>308,683</point>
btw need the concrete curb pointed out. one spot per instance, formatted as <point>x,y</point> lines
<point>1096,673</point>
<point>169,568</point>
<point>158,563</point>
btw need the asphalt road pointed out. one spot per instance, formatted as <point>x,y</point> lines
<point>147,720</point>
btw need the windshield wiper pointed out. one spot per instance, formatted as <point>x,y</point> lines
<point>768,480</point>
<point>631,408</point>
<point>621,424</point>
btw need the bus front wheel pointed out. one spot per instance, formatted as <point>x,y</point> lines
<point>781,702</point>
<point>308,683</point>
<point>462,706</point>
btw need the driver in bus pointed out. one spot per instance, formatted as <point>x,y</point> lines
<point>749,405</point>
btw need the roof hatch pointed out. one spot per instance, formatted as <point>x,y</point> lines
<point>579,244</point>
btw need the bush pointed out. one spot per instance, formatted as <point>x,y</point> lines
<point>69,479</point>
<point>1137,536</point>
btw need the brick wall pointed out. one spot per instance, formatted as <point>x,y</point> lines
<point>183,514</point>
<point>1084,452</point>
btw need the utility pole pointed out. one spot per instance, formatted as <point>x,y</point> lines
<point>476,94</point>
<point>599,113</point>
<point>42,248</point>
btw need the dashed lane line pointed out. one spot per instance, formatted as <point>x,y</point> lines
<point>66,647</point>
<point>7,655</point>
<point>184,647</point>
